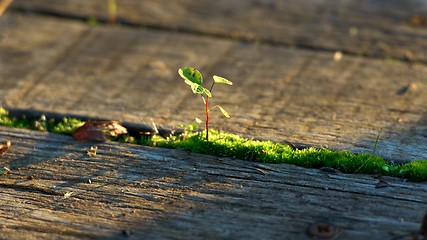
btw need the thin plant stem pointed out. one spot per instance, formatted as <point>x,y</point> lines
<point>207,112</point>
<point>207,118</point>
<point>210,89</point>
<point>373,152</point>
<point>376,142</point>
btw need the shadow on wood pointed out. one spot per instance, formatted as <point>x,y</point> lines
<point>162,193</point>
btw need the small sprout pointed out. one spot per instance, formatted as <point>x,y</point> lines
<point>194,79</point>
<point>41,124</point>
<point>190,128</point>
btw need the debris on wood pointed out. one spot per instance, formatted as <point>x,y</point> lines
<point>99,131</point>
<point>4,170</point>
<point>337,56</point>
<point>92,151</point>
<point>411,87</point>
<point>4,5</point>
<point>5,148</point>
<point>67,194</point>
<point>381,184</point>
<point>322,230</point>
<point>418,20</point>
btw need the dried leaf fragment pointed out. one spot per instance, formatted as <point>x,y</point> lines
<point>99,131</point>
<point>92,151</point>
<point>418,20</point>
<point>5,148</point>
<point>4,5</point>
<point>68,194</point>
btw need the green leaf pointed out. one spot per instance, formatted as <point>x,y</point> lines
<point>225,113</point>
<point>192,127</point>
<point>196,88</point>
<point>218,79</point>
<point>191,75</point>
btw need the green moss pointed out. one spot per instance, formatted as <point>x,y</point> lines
<point>5,120</point>
<point>414,171</point>
<point>66,126</point>
<point>230,145</point>
<point>234,146</point>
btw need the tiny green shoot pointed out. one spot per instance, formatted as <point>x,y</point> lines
<point>190,128</point>
<point>194,79</point>
<point>374,151</point>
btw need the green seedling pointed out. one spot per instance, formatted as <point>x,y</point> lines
<point>190,128</point>
<point>194,79</point>
<point>374,151</point>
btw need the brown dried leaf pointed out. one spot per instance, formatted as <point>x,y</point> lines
<point>418,20</point>
<point>99,131</point>
<point>5,148</point>
<point>4,5</point>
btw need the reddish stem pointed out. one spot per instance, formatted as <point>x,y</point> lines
<point>207,118</point>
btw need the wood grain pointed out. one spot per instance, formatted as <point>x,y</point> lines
<point>367,28</point>
<point>56,190</point>
<point>280,94</point>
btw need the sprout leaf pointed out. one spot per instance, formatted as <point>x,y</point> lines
<point>222,80</point>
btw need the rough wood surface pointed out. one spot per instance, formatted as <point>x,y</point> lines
<point>129,74</point>
<point>57,191</point>
<point>369,27</point>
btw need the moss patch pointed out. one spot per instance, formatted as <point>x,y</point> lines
<point>234,146</point>
<point>230,145</point>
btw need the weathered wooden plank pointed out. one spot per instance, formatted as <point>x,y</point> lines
<point>280,94</point>
<point>162,193</point>
<point>369,28</point>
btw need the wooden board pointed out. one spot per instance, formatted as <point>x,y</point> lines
<point>368,28</point>
<point>128,74</point>
<point>57,191</point>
